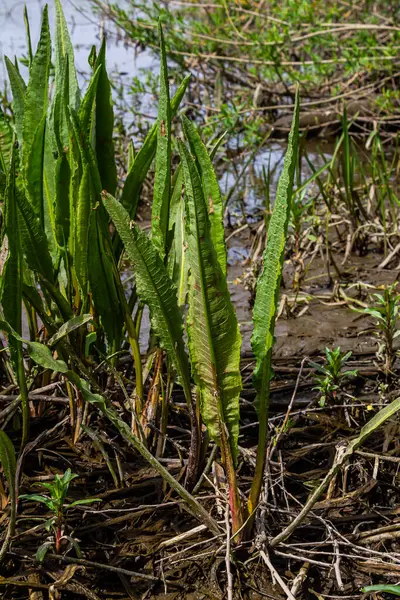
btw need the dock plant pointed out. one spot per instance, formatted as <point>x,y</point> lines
<point>69,225</point>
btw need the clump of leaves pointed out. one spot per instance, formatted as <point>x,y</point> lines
<point>56,502</point>
<point>331,375</point>
<point>385,311</point>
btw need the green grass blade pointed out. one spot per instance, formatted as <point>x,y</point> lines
<point>69,327</point>
<point>154,288</point>
<point>162,178</point>
<point>267,297</point>
<point>211,191</point>
<point>63,48</point>
<point>105,126</point>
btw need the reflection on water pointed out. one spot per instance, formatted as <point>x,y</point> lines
<point>249,197</point>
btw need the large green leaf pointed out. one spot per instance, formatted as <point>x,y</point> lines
<point>162,178</point>
<point>105,126</point>
<point>154,288</point>
<point>268,284</point>
<point>211,191</point>
<point>34,122</point>
<point>64,48</point>
<point>214,338</point>
<point>266,302</point>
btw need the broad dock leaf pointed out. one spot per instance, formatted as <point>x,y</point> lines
<point>214,338</point>
<point>266,303</point>
<point>268,284</point>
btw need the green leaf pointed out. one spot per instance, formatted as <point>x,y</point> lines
<point>389,589</point>
<point>154,287</point>
<point>266,303</point>
<point>87,109</point>
<point>38,352</point>
<point>83,502</point>
<point>33,128</point>
<point>37,498</point>
<point>33,238</point>
<point>162,178</point>
<point>268,284</point>
<point>138,171</point>
<point>102,269</point>
<point>69,327</point>
<point>43,550</point>
<point>177,257</point>
<point>214,338</point>
<point>81,232</point>
<point>105,126</point>
<point>11,277</point>
<point>211,191</point>
<point>18,88</point>
<point>63,48</point>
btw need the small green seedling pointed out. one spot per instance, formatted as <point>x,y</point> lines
<point>386,311</point>
<point>331,375</point>
<point>55,501</point>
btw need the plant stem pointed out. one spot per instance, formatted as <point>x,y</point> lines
<point>256,484</point>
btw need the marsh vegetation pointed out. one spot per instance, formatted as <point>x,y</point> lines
<point>199,393</point>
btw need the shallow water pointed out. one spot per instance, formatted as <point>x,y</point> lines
<point>85,29</point>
